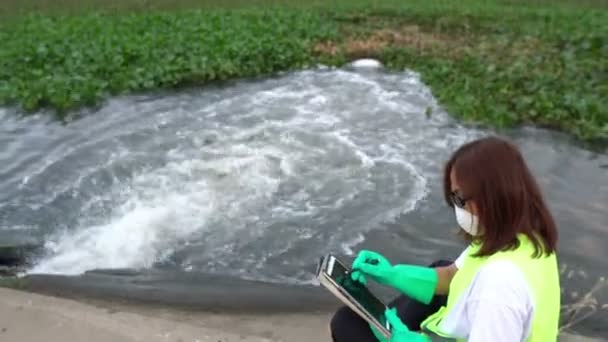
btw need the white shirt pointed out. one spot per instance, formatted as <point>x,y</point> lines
<point>497,306</point>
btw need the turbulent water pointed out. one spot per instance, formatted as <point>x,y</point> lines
<point>259,178</point>
<point>229,178</point>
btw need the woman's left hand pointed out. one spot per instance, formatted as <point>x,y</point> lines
<point>399,331</point>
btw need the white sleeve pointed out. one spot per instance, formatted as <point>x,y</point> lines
<point>500,306</point>
<point>460,258</point>
<point>494,321</point>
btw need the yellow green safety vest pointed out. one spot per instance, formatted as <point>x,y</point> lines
<point>543,279</point>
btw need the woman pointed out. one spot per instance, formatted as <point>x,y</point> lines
<point>505,284</point>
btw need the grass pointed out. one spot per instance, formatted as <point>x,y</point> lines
<point>499,63</point>
<point>16,283</point>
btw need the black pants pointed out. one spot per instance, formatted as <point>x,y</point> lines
<point>347,326</point>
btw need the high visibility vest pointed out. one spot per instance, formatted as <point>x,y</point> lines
<point>541,274</point>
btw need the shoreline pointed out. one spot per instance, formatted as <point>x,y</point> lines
<point>69,308</point>
<point>94,320</point>
<point>60,319</point>
<point>182,290</point>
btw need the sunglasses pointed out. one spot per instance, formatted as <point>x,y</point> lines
<point>458,200</point>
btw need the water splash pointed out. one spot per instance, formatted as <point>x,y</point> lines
<point>258,177</point>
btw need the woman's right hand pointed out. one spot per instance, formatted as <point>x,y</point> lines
<point>373,264</point>
<point>417,282</point>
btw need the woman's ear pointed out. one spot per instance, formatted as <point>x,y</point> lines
<point>472,207</point>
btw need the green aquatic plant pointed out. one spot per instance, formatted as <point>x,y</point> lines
<point>67,61</point>
<point>499,63</point>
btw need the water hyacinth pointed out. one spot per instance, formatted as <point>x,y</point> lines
<point>62,62</point>
<point>499,63</point>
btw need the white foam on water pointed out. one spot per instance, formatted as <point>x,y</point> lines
<point>154,219</point>
<point>366,63</point>
<point>349,244</point>
<point>243,176</point>
<point>342,137</point>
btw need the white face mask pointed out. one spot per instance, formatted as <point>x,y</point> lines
<point>467,221</point>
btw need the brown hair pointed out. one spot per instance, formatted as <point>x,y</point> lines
<point>494,175</point>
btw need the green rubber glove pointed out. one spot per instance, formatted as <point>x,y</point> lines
<point>399,331</point>
<point>417,282</point>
